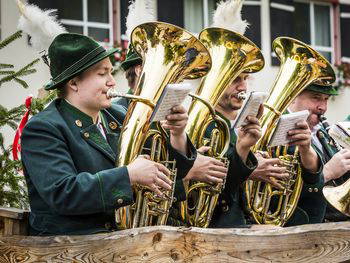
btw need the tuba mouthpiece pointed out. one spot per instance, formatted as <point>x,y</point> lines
<point>242,95</point>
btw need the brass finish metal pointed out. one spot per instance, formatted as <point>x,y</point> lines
<point>169,54</point>
<point>339,197</point>
<point>300,66</point>
<point>234,54</point>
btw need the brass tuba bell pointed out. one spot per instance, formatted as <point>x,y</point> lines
<point>233,55</point>
<point>169,54</point>
<point>300,66</point>
<point>339,197</point>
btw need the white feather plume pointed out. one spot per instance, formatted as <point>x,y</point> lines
<point>41,25</point>
<point>140,11</point>
<point>228,15</point>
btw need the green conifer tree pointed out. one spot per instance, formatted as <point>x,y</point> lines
<point>13,191</point>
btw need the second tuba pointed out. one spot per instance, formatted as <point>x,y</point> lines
<point>233,55</point>
<point>169,54</point>
<point>300,66</point>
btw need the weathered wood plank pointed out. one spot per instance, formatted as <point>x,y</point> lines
<point>14,213</point>
<point>309,243</point>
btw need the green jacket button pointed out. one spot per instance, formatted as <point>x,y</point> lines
<point>86,135</point>
<point>120,201</point>
<point>310,190</point>
<point>315,190</point>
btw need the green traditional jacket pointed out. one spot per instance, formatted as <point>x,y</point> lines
<point>69,167</point>
<point>73,184</point>
<point>229,211</point>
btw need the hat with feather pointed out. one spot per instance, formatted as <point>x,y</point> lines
<point>228,16</point>
<point>69,54</point>
<point>140,11</point>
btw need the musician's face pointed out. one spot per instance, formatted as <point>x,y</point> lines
<point>89,90</point>
<point>229,100</point>
<point>316,103</point>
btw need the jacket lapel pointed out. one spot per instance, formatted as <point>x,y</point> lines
<point>94,137</point>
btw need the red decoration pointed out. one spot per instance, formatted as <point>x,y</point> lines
<point>16,146</point>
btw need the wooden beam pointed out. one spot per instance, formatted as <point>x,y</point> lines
<point>329,242</point>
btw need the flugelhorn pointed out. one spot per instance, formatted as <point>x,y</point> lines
<point>233,55</point>
<point>169,54</point>
<point>300,66</point>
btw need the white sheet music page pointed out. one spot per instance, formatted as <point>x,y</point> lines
<point>251,107</point>
<point>340,132</point>
<point>173,94</point>
<point>286,123</point>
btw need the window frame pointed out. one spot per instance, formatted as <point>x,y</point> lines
<point>345,15</point>
<point>312,27</point>
<point>85,24</point>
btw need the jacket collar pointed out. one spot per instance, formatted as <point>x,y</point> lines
<point>88,130</point>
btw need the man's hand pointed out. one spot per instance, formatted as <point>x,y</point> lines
<point>301,137</point>
<point>247,136</point>
<point>151,174</point>
<point>269,170</point>
<point>176,123</point>
<point>337,166</point>
<point>207,169</point>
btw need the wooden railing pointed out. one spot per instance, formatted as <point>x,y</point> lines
<point>13,221</point>
<point>328,242</point>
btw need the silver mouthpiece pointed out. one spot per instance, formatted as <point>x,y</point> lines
<point>242,95</point>
<point>111,93</point>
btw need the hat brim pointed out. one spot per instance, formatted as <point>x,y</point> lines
<point>53,84</point>
<point>128,63</point>
<point>321,89</point>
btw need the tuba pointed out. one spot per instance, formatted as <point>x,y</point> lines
<point>169,54</point>
<point>300,66</point>
<point>233,55</point>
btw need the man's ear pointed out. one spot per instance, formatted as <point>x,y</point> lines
<point>73,85</point>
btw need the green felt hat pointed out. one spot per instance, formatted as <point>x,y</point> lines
<point>71,54</point>
<point>328,90</point>
<point>132,59</point>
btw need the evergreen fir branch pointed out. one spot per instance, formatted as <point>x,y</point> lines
<point>28,72</point>
<point>21,82</point>
<point>20,73</point>
<point>6,72</point>
<point>10,39</point>
<point>2,66</point>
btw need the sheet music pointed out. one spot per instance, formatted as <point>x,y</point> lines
<point>340,132</point>
<point>173,94</point>
<point>286,123</point>
<point>251,107</point>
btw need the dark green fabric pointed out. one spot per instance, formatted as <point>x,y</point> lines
<point>71,54</point>
<point>72,181</point>
<point>328,90</point>
<point>132,59</point>
<point>229,210</point>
